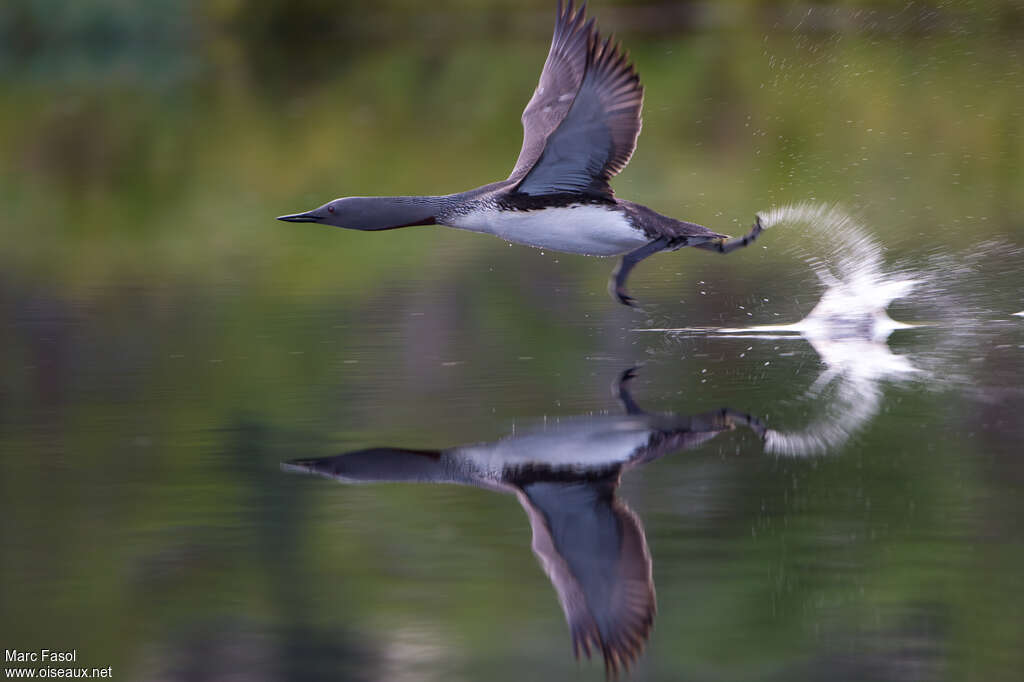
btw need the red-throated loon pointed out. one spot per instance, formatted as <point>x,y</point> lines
<point>579,130</point>
<point>565,475</point>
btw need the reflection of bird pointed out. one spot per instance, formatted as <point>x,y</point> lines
<point>579,130</point>
<point>590,544</point>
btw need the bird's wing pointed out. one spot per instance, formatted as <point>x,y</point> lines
<point>560,80</point>
<point>593,549</point>
<point>581,125</point>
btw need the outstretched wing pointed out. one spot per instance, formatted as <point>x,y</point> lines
<point>576,140</point>
<point>560,80</point>
<point>594,551</point>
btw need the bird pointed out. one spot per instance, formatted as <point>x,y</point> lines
<point>580,129</point>
<point>590,544</point>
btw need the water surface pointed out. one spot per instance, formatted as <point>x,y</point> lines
<point>167,346</point>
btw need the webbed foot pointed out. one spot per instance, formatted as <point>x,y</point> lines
<point>622,297</point>
<point>733,419</point>
<point>621,390</point>
<point>617,283</point>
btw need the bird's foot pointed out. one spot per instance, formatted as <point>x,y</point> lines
<point>622,297</point>
<point>618,291</point>
<point>756,230</point>
<point>757,426</point>
<point>735,418</point>
<point>758,225</point>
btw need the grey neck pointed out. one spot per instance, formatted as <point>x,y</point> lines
<point>379,465</point>
<point>388,213</point>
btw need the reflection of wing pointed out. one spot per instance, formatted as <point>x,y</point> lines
<point>580,126</point>
<point>594,551</point>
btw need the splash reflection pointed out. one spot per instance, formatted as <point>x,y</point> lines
<point>848,328</point>
<point>590,544</point>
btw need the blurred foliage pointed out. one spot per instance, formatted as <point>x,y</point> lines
<point>160,144</point>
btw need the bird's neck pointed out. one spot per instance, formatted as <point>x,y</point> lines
<point>389,213</point>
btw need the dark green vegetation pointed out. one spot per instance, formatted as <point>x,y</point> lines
<point>165,342</point>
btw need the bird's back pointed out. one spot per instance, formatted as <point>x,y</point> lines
<point>656,225</point>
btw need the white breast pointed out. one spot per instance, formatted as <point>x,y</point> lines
<point>579,228</point>
<point>582,443</point>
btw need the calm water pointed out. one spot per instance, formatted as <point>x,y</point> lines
<point>832,490</point>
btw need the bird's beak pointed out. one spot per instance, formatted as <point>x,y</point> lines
<point>299,466</point>
<point>301,218</point>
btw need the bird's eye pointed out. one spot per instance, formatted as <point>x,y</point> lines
<point>330,209</point>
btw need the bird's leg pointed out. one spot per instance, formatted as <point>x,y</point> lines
<point>617,283</point>
<point>734,418</point>
<point>620,389</point>
<point>730,245</point>
<point>726,419</point>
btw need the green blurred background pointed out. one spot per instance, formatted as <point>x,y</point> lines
<point>166,342</point>
<point>153,140</point>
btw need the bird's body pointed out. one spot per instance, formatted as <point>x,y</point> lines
<point>570,223</point>
<point>579,130</point>
<point>590,229</point>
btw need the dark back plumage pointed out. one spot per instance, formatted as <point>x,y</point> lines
<point>581,125</point>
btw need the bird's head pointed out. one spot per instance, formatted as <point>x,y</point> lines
<point>350,212</point>
<point>369,213</point>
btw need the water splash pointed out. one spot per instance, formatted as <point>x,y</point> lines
<point>850,264</point>
<point>848,327</point>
